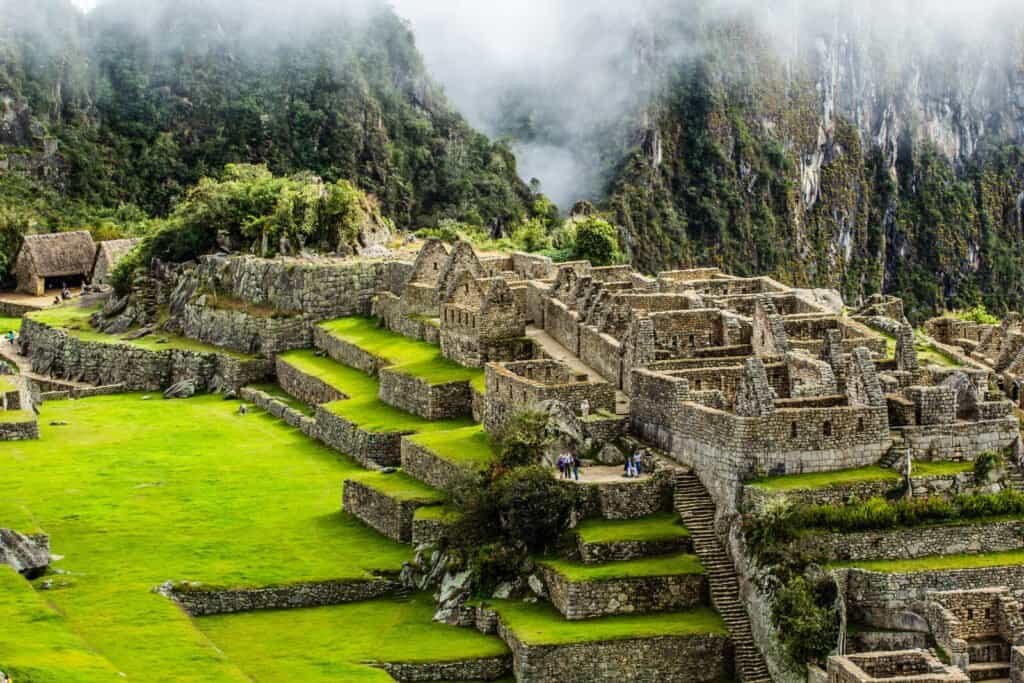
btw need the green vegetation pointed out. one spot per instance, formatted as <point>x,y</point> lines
<point>668,565</point>
<point>978,314</point>
<point>929,354</point>
<point>342,643</point>
<point>134,493</point>
<point>818,480</point>
<point>469,446</point>
<point>540,624</point>
<point>6,384</point>
<point>399,486</point>
<point>9,325</point>
<point>665,526</point>
<point>437,513</point>
<point>806,619</point>
<point>940,562</point>
<point>939,468</point>
<point>74,320</point>
<point>363,407</point>
<point>35,643</point>
<point>16,416</point>
<point>524,439</point>
<point>595,240</point>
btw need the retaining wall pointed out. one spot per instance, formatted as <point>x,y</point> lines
<point>200,601</point>
<point>429,401</point>
<point>389,516</point>
<point>486,669</point>
<point>306,388</point>
<point>370,449</point>
<point>618,551</point>
<point>19,431</point>
<point>346,353</point>
<point>637,595</point>
<point>434,471</point>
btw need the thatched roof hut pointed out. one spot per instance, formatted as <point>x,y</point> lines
<point>48,260</point>
<point>108,254</point>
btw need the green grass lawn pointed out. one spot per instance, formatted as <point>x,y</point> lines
<point>817,480</point>
<point>439,513</point>
<point>668,565</point>
<point>661,527</point>
<point>13,416</point>
<point>923,468</point>
<point>363,407</point>
<point>340,643</point>
<point>399,486</point>
<point>468,447</point>
<point>541,624</point>
<point>9,325</point>
<point>37,645</point>
<point>940,562</point>
<point>134,493</point>
<point>74,320</point>
<point>408,356</point>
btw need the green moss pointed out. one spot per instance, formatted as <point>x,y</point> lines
<point>669,565</point>
<point>940,562</point>
<point>469,446</point>
<point>817,480</point>
<point>541,624</point>
<point>134,493</point>
<point>399,486</point>
<point>662,527</point>
<point>341,643</point>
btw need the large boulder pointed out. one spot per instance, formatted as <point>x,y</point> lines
<point>29,555</point>
<point>186,388</point>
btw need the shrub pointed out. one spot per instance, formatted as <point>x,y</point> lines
<point>531,236</point>
<point>986,463</point>
<point>524,440</point>
<point>533,507</point>
<point>597,241</point>
<point>979,314</point>
<point>806,619</point>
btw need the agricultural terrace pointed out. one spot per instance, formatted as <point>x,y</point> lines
<point>135,492</point>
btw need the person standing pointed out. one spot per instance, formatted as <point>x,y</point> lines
<point>585,409</point>
<point>576,467</point>
<point>638,463</point>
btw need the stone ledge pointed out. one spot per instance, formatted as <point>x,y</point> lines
<point>619,551</point>
<point>423,464</point>
<point>200,601</point>
<point>371,449</point>
<point>429,401</point>
<point>485,669</point>
<point>629,498</point>
<point>306,388</point>
<point>389,516</point>
<point>346,353</point>
<point>19,431</point>
<point>627,595</point>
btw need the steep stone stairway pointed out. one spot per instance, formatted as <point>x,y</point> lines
<point>897,452</point>
<point>695,506</point>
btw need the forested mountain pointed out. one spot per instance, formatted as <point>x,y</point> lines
<point>107,118</point>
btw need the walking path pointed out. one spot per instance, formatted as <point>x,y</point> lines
<point>553,348</point>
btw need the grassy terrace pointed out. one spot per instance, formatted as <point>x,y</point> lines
<point>399,486</point>
<point>363,408</point>
<point>331,643</point>
<point>668,565</point>
<point>922,468</point>
<point>940,562</point>
<point>817,480</point>
<point>36,644</point>
<point>439,513</point>
<point>405,355</point>
<point>541,624</point>
<point>74,320</point>
<point>467,447</point>
<point>661,527</point>
<point>7,384</point>
<point>134,493</point>
<point>16,416</point>
<point>283,396</point>
<point>9,325</point>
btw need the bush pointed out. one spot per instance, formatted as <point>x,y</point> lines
<point>524,440</point>
<point>532,236</point>
<point>986,463</point>
<point>597,241</point>
<point>533,507</point>
<point>806,619</point>
<point>979,314</point>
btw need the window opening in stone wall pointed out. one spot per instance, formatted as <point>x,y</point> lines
<point>792,430</point>
<point>970,614</point>
<point>860,424</point>
<point>826,428</point>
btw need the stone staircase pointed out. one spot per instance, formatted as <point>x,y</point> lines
<point>695,506</point>
<point>1015,475</point>
<point>897,452</point>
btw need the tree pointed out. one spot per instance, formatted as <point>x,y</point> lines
<point>597,241</point>
<point>524,440</point>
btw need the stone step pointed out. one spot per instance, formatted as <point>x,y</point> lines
<point>988,671</point>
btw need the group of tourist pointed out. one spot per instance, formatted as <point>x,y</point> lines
<point>569,466</point>
<point>634,465</point>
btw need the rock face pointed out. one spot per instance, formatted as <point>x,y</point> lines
<point>29,555</point>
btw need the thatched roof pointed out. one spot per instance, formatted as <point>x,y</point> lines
<point>60,253</point>
<point>115,250</point>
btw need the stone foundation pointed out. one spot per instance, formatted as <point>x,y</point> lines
<point>389,516</point>
<point>429,401</point>
<point>243,332</point>
<point>961,440</point>
<point>201,601</point>
<point>640,595</point>
<point>371,449</point>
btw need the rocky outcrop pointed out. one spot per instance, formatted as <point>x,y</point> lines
<point>29,555</point>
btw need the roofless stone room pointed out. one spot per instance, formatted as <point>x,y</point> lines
<point>545,342</point>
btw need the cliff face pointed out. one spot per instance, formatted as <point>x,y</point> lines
<point>848,149</point>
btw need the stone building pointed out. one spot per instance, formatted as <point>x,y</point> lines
<point>108,255</point>
<point>483,321</point>
<point>52,260</point>
<point>911,666</point>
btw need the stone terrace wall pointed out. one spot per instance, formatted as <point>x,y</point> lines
<point>592,599</point>
<point>562,324</point>
<point>603,353</point>
<point>668,659</point>
<point>902,544</point>
<point>58,354</point>
<point>897,601</point>
<point>626,499</point>
<point>419,463</point>
<point>429,401</point>
<point>370,449</point>
<point>755,498</point>
<point>306,388</point>
<point>202,602</point>
<point>961,440</point>
<point>389,516</point>
<point>486,669</point>
<point>394,314</point>
<point>242,332</point>
<point>19,431</point>
<point>618,551</point>
<point>346,353</point>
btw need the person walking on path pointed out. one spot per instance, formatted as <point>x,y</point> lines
<point>561,466</point>
<point>576,467</point>
<point>638,463</point>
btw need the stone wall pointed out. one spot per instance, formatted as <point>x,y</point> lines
<point>370,449</point>
<point>626,499</point>
<point>562,324</point>
<point>347,353</point>
<point>402,317</point>
<point>306,388</point>
<point>756,498</point>
<point>280,410</point>
<point>19,431</point>
<point>422,464</point>
<point>619,551</point>
<point>961,440</point>
<point>201,601</point>
<point>667,659</point>
<point>389,516</point>
<point>486,669</point>
<point>54,352</point>
<point>910,543</point>
<point>897,601</point>
<point>429,401</point>
<point>240,331</point>
<point>635,595</point>
<point>603,353</point>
